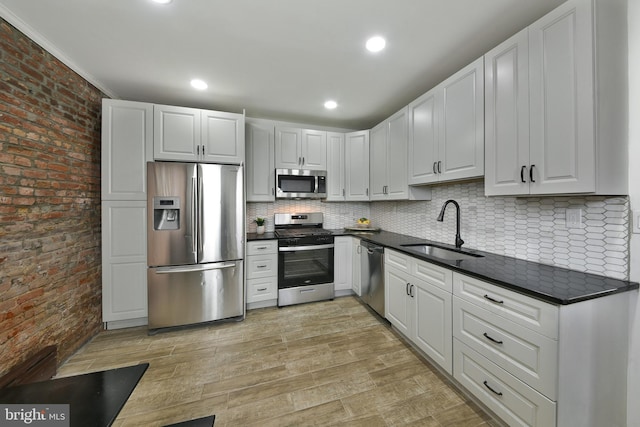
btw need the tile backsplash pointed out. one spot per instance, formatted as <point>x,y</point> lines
<point>532,228</point>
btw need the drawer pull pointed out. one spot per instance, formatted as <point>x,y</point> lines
<point>492,339</point>
<point>262,289</point>
<point>262,266</point>
<point>498,393</point>
<point>493,300</point>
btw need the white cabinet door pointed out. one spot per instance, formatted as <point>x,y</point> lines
<point>356,253</point>
<point>507,117</point>
<point>127,144</point>
<point>396,186</point>
<point>378,161</point>
<point>461,138</point>
<point>313,148</point>
<point>433,328</point>
<point>260,163</point>
<point>336,190</point>
<point>357,165</point>
<point>423,139</point>
<point>562,100</point>
<point>124,260</point>
<point>176,133</point>
<point>288,155</point>
<point>222,137</point>
<point>398,303</point>
<point>342,272</point>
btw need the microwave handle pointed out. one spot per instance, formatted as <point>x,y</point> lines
<point>317,180</point>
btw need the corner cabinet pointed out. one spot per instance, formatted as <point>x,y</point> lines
<point>301,148</point>
<point>357,166</point>
<point>446,129</point>
<point>388,162</point>
<point>336,190</point>
<point>260,170</point>
<point>190,134</point>
<point>127,144</point>
<point>548,131</point>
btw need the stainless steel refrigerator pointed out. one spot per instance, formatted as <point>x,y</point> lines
<point>195,243</point>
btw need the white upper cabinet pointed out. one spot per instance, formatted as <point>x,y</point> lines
<point>446,129</point>
<point>127,145</point>
<point>190,134</point>
<point>260,163</point>
<point>301,149</point>
<point>336,190</point>
<point>388,161</point>
<point>548,131</point>
<point>357,166</point>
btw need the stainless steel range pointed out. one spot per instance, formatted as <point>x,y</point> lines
<point>305,258</point>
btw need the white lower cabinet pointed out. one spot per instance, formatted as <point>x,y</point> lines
<point>342,265</point>
<point>418,304</point>
<point>262,273</point>
<point>509,398</point>
<point>535,363</point>
<point>356,253</point>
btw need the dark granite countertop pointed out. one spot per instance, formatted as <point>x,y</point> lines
<point>545,282</point>
<point>556,285</point>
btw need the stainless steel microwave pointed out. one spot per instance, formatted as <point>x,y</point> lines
<point>301,184</point>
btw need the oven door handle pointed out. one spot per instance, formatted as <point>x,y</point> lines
<point>305,248</point>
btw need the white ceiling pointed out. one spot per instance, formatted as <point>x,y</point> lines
<point>278,59</point>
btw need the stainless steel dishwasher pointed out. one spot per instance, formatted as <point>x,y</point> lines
<point>372,276</point>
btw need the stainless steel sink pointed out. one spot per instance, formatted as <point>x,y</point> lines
<point>440,252</point>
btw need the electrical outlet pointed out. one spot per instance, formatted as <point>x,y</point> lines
<point>573,218</point>
<point>635,222</point>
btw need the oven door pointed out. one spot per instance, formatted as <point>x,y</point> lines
<point>305,265</point>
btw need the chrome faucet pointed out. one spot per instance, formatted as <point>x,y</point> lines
<point>440,218</point>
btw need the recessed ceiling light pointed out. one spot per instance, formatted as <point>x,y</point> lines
<point>375,44</point>
<point>162,1</point>
<point>199,84</point>
<point>330,105</point>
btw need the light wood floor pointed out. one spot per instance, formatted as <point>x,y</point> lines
<point>322,364</point>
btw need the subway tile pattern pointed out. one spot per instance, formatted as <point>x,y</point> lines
<point>531,228</point>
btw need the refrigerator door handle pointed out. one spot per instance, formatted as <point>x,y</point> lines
<point>194,268</point>
<point>194,215</point>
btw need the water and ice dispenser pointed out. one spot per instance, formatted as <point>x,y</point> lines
<point>166,213</point>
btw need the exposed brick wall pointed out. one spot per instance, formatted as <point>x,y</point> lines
<point>50,262</point>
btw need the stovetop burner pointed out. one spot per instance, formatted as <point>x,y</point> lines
<point>301,232</point>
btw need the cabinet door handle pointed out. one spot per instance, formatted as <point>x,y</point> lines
<point>439,166</point>
<point>343,192</point>
<point>261,289</point>
<point>492,339</point>
<point>299,160</point>
<point>434,167</point>
<point>367,191</point>
<point>303,161</point>
<point>498,393</point>
<point>197,150</point>
<point>411,291</point>
<point>203,150</point>
<point>406,288</point>
<point>522,171</point>
<point>273,191</point>
<point>493,300</point>
<point>531,173</point>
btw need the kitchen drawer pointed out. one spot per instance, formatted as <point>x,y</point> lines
<point>511,399</point>
<point>529,356</point>
<point>262,266</point>
<point>398,260</point>
<point>432,274</point>
<point>262,289</point>
<point>529,312</point>
<point>260,247</point>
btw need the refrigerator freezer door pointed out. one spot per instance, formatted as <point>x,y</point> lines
<point>221,213</point>
<point>186,295</point>
<point>171,197</point>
